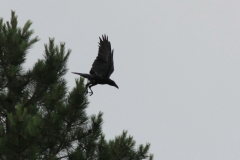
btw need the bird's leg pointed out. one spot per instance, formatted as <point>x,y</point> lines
<point>87,85</point>
<point>91,93</point>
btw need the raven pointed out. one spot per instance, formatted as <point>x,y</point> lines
<point>102,67</point>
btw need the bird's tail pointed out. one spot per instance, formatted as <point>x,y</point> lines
<point>82,74</point>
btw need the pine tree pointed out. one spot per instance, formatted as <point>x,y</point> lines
<point>39,118</point>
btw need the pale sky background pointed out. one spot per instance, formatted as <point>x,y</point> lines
<point>177,64</point>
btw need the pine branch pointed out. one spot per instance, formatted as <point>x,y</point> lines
<point>4,106</point>
<point>62,139</point>
<point>121,152</point>
<point>3,87</point>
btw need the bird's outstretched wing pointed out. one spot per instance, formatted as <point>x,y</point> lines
<point>103,64</point>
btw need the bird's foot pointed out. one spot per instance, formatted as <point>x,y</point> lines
<point>90,93</point>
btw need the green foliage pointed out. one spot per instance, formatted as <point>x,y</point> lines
<point>39,118</point>
<point>122,148</point>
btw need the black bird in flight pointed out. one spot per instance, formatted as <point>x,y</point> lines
<point>102,67</point>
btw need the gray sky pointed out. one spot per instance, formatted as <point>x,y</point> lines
<point>177,65</point>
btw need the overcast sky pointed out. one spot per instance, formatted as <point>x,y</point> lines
<point>177,64</point>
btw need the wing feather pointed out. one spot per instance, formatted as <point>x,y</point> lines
<point>103,64</point>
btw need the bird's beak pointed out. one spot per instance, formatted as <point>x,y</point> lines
<point>116,86</point>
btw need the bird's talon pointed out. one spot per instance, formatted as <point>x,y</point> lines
<point>90,93</point>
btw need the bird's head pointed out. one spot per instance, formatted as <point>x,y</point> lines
<point>112,83</point>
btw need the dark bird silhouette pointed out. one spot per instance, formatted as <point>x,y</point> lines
<point>102,67</point>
